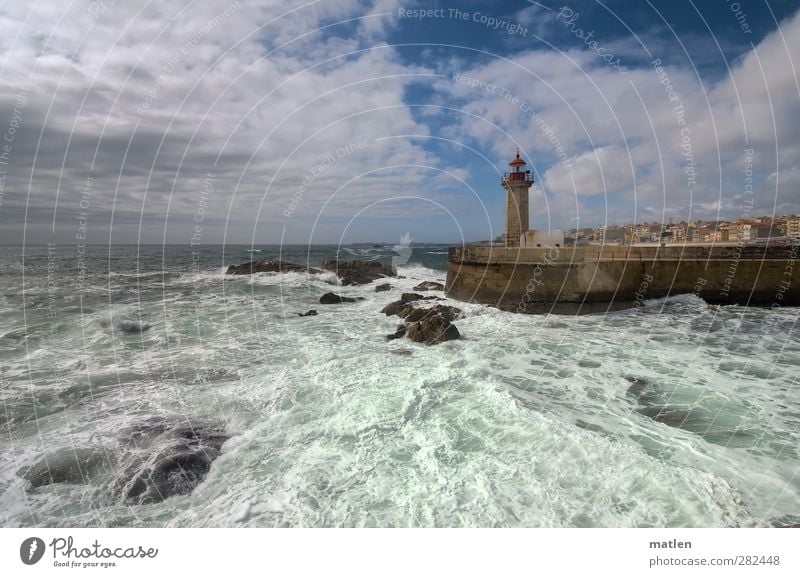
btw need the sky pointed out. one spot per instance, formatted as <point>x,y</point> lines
<point>267,121</point>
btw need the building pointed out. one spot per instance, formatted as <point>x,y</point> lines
<point>610,234</point>
<point>793,227</point>
<point>744,230</point>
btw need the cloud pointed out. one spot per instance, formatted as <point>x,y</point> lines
<point>655,141</point>
<point>149,101</point>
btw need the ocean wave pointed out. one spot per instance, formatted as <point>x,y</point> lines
<point>551,420</point>
<point>690,300</point>
<point>293,279</point>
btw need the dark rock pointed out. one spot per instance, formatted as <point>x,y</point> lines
<point>269,266</point>
<point>786,522</point>
<point>130,326</point>
<point>334,299</point>
<point>429,286</point>
<point>396,307</point>
<point>311,313</point>
<point>65,465</point>
<point>383,287</point>
<point>180,462</point>
<point>402,352</point>
<point>413,314</point>
<point>168,473</point>
<point>143,432</point>
<point>432,330</point>
<point>449,313</point>
<point>357,272</point>
<point>393,308</point>
<point>411,297</point>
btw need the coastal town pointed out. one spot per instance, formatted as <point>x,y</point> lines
<point>757,230</point>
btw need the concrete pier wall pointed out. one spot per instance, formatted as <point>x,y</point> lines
<point>576,280</point>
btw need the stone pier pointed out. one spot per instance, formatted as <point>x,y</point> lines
<point>590,279</point>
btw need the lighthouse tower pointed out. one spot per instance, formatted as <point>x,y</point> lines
<point>516,182</point>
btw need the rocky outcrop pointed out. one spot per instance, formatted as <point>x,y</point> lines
<point>394,308</point>
<point>429,286</point>
<point>334,299</point>
<point>357,272</point>
<point>411,297</point>
<point>405,310</point>
<point>414,314</point>
<point>269,266</point>
<point>354,272</point>
<point>432,330</point>
<point>431,325</point>
<point>383,287</point>
<point>178,460</point>
<point>311,313</point>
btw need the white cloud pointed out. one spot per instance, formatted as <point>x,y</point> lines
<point>589,130</point>
<point>159,93</point>
<point>151,97</point>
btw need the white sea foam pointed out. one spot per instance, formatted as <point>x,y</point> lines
<point>525,421</point>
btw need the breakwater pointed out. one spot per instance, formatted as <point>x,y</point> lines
<point>588,279</point>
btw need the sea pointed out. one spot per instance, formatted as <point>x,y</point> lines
<point>673,414</point>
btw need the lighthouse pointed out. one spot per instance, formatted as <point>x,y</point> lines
<point>517,181</point>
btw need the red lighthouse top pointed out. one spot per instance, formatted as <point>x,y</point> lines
<point>517,160</point>
<point>518,172</point>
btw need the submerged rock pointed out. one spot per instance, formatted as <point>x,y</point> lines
<point>786,522</point>
<point>429,286</point>
<point>357,272</point>
<point>311,313</point>
<point>65,465</point>
<point>383,287</point>
<point>334,299</point>
<point>180,460</point>
<point>269,266</point>
<point>130,326</point>
<point>169,473</point>
<point>689,414</point>
<point>402,352</point>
